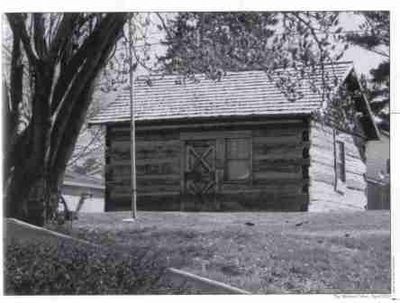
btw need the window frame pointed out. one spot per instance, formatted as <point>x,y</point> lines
<point>340,165</point>
<point>388,166</point>
<point>249,160</point>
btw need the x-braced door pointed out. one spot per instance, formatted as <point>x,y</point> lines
<point>200,182</point>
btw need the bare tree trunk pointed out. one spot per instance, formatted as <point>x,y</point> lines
<point>39,156</point>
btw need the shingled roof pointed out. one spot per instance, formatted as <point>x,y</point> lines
<point>247,93</point>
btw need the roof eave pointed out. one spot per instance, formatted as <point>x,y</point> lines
<point>374,133</point>
<point>300,115</point>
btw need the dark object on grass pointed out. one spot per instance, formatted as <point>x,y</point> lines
<point>301,223</point>
<point>249,224</point>
<point>347,235</point>
<point>231,270</point>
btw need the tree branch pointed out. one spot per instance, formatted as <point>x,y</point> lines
<point>15,93</point>
<point>64,33</point>
<point>75,63</point>
<point>38,35</point>
<point>84,78</point>
<point>164,25</point>
<point>383,54</point>
<point>17,24</point>
<point>77,118</point>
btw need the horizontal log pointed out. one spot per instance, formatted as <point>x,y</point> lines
<point>321,191</point>
<point>262,201</point>
<point>119,132</point>
<point>159,161</point>
<point>144,193</point>
<point>277,176</point>
<point>278,140</point>
<point>273,167</point>
<point>322,142</point>
<point>291,157</point>
<point>321,132</point>
<point>127,162</point>
<point>356,184</point>
<point>114,174</point>
<point>119,162</point>
<point>325,162</point>
<point>119,171</point>
<point>326,157</point>
<point>168,152</point>
<point>322,174</point>
<point>119,146</point>
<point>357,169</point>
<point>278,181</point>
<point>271,188</point>
<point>145,170</point>
<point>353,154</point>
<point>203,135</point>
<point>157,144</point>
<point>118,156</point>
<point>265,159</point>
<point>281,130</point>
<point>145,145</point>
<point>325,192</point>
<point>145,203</point>
<point>158,193</point>
<point>166,168</point>
<point>276,151</point>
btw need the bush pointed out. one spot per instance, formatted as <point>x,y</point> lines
<point>68,267</point>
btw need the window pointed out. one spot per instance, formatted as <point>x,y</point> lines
<point>238,160</point>
<point>340,162</point>
<point>388,166</point>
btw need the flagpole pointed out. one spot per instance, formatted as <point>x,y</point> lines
<point>132,122</point>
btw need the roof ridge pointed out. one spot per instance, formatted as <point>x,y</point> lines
<point>170,75</point>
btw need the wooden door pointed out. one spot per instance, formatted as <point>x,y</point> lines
<point>199,175</point>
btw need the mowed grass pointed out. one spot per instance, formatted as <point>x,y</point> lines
<point>260,252</point>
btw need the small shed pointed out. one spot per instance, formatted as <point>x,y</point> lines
<point>75,185</point>
<point>378,172</point>
<point>238,143</point>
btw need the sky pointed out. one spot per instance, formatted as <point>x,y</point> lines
<point>363,59</point>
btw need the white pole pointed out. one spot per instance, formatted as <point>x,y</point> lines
<point>132,118</point>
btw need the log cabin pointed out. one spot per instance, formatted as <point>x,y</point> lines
<point>238,143</point>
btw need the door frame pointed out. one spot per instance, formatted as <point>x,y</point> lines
<point>219,137</point>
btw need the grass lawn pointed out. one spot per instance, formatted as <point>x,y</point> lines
<point>259,252</point>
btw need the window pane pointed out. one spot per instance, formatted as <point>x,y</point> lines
<point>340,161</point>
<point>388,166</point>
<point>237,148</point>
<point>237,170</point>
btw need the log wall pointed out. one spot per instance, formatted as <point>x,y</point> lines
<point>278,182</point>
<point>279,179</point>
<point>157,169</point>
<point>324,194</point>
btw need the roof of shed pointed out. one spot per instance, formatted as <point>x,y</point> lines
<point>75,179</point>
<point>246,93</point>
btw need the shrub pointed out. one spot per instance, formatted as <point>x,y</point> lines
<point>68,267</point>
